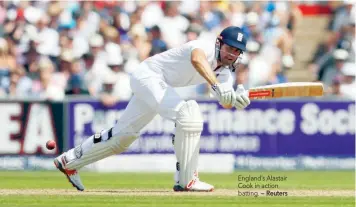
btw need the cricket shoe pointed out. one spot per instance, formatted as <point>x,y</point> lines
<point>72,175</point>
<point>194,185</point>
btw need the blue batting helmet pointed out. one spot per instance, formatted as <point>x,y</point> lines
<point>234,37</point>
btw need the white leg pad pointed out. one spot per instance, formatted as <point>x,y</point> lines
<point>91,151</point>
<point>189,125</point>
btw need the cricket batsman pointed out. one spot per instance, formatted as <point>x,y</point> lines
<point>193,63</point>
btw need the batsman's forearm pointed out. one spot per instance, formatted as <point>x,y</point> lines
<point>201,64</point>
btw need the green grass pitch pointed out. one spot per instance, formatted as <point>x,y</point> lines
<point>305,188</point>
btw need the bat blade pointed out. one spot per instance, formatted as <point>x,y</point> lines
<point>282,90</point>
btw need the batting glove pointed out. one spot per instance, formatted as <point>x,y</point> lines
<point>242,99</point>
<point>225,94</point>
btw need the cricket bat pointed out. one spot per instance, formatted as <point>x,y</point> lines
<point>284,90</point>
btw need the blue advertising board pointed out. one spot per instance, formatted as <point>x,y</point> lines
<point>265,128</point>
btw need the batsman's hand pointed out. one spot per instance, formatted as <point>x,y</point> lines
<point>242,99</point>
<point>225,94</point>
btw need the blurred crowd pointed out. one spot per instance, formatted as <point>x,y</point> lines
<point>333,62</point>
<point>54,49</point>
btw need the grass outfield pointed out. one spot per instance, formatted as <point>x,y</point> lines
<point>304,188</point>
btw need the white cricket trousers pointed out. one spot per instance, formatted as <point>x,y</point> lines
<point>151,96</point>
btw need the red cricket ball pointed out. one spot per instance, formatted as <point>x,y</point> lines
<point>51,144</point>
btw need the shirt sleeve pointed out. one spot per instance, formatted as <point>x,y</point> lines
<point>201,45</point>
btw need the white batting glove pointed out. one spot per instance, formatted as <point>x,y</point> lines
<point>242,99</point>
<point>225,94</point>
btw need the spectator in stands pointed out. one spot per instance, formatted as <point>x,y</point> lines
<point>91,19</point>
<point>347,40</point>
<point>173,25</point>
<point>45,87</point>
<point>138,49</point>
<point>342,16</point>
<point>79,36</point>
<point>121,23</point>
<point>136,16</point>
<point>54,10</point>
<point>334,89</point>
<point>323,54</point>
<point>140,41</point>
<point>96,43</point>
<point>116,84</point>
<point>47,38</point>
<point>20,84</point>
<point>7,64</point>
<point>158,44</point>
<point>12,89</point>
<point>189,8</point>
<point>295,16</point>
<point>348,85</point>
<point>31,57</point>
<point>344,85</point>
<point>237,13</point>
<point>259,70</point>
<point>278,70</point>
<point>252,27</point>
<point>279,35</point>
<point>78,40</point>
<point>334,68</point>
<point>106,96</point>
<point>209,17</point>
<point>193,32</point>
<point>77,67</point>
<point>65,63</point>
<point>152,13</point>
<point>3,14</point>
<point>111,37</point>
<point>76,77</point>
<point>91,81</point>
<point>76,86</point>
<point>97,50</point>
<point>242,72</point>
<point>10,23</point>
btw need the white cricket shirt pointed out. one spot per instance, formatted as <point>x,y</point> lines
<point>175,66</point>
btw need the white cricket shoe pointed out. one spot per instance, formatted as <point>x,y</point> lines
<point>72,175</point>
<point>194,185</point>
